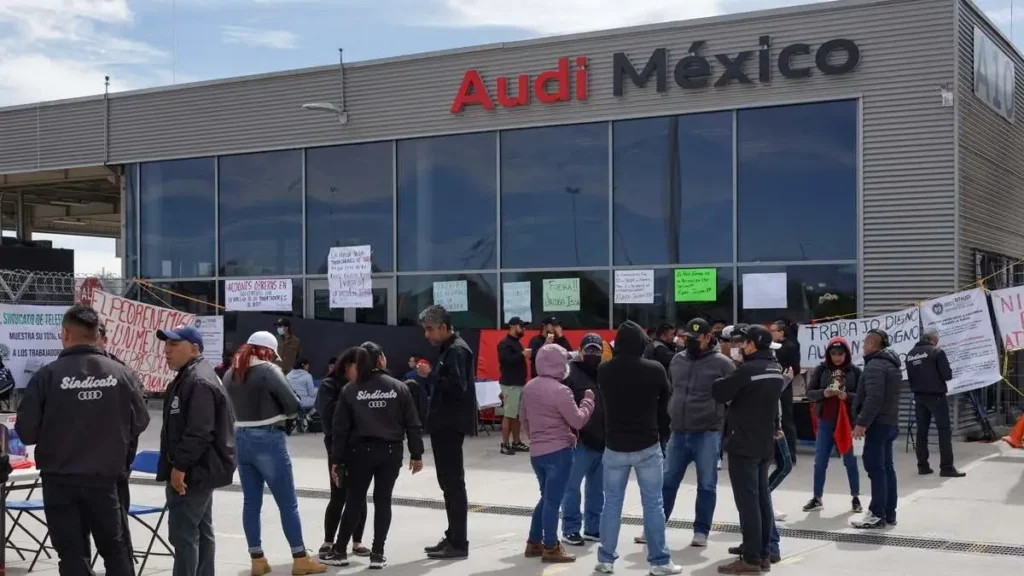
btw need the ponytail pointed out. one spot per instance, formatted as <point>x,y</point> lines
<point>242,361</point>
<point>364,362</point>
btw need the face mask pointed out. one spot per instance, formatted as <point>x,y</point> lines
<point>591,361</point>
<point>736,354</point>
<point>693,346</point>
<point>280,330</point>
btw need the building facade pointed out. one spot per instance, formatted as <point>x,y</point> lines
<point>806,162</point>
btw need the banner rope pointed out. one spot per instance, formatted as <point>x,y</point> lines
<point>149,286</point>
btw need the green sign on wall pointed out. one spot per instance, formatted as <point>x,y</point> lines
<point>696,285</point>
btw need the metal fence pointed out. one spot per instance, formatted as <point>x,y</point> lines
<point>54,288</point>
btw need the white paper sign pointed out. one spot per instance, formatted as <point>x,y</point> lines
<point>903,327</point>
<point>965,333</point>
<point>454,296</point>
<point>348,277</point>
<point>29,338</point>
<point>258,295</point>
<point>1008,305</point>
<point>764,291</point>
<point>516,301</point>
<point>212,329</point>
<point>634,286</point>
<point>561,295</point>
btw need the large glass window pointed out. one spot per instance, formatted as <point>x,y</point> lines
<point>798,182</point>
<point>447,203</point>
<point>177,215</point>
<point>554,197</point>
<point>131,222</point>
<point>673,190</point>
<point>691,299</point>
<point>261,214</point>
<point>579,299</point>
<point>478,310</point>
<point>812,292</point>
<point>197,298</point>
<point>349,202</point>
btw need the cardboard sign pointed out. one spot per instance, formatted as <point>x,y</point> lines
<point>696,285</point>
<point>258,295</point>
<point>29,339</point>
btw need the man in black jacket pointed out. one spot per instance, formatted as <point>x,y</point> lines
<point>928,371</point>
<point>634,394</point>
<point>550,333</point>
<point>753,393</point>
<point>788,356</point>
<point>662,347</point>
<point>878,410</point>
<point>197,450</point>
<point>453,416</point>
<point>512,362</point>
<point>83,411</point>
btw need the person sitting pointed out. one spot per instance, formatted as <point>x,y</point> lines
<point>301,382</point>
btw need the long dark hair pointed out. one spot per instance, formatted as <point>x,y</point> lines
<point>358,356</point>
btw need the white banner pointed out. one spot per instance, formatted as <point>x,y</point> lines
<point>634,286</point>
<point>348,277</point>
<point>454,295</point>
<point>1008,305</point>
<point>903,328</point>
<point>29,338</point>
<point>515,301</point>
<point>212,329</point>
<point>258,295</point>
<point>965,333</point>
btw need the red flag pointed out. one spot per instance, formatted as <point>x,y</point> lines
<point>843,434</point>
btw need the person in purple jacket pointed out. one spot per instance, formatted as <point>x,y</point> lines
<point>549,417</point>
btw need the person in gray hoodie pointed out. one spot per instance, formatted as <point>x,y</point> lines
<point>697,420</point>
<point>877,408</point>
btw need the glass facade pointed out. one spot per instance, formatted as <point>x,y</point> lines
<point>738,215</point>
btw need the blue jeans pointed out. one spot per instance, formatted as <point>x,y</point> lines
<point>879,466</point>
<point>775,540</point>
<point>824,444</point>
<point>586,466</point>
<point>552,472</point>
<point>650,479</point>
<point>703,449</point>
<point>263,459</point>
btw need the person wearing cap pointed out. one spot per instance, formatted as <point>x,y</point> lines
<point>82,412</point>
<point>289,347</point>
<point>928,371</point>
<point>550,333</point>
<point>197,450</point>
<point>587,458</point>
<point>662,347</point>
<point>878,412</point>
<point>263,403</point>
<point>512,363</point>
<point>788,355</point>
<point>697,421</point>
<point>753,393</point>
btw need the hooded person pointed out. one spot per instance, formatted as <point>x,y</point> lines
<point>833,389</point>
<point>550,418</point>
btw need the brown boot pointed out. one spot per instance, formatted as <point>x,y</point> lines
<point>556,555</point>
<point>740,567</point>
<point>534,549</point>
<point>306,565</point>
<point>260,566</point>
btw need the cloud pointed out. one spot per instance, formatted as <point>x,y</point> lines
<point>279,39</point>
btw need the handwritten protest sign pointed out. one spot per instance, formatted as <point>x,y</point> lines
<point>348,277</point>
<point>634,286</point>
<point>561,295</point>
<point>696,285</point>
<point>454,295</point>
<point>29,339</point>
<point>131,335</point>
<point>903,328</point>
<point>1008,305</point>
<point>965,333</point>
<point>258,295</point>
<point>516,301</point>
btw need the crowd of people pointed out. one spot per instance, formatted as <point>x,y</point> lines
<point>662,401</point>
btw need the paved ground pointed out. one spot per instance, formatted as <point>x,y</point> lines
<point>946,526</point>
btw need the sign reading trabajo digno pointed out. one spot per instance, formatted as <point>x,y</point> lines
<point>692,71</point>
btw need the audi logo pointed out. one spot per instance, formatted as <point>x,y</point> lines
<point>377,404</point>
<point>90,395</point>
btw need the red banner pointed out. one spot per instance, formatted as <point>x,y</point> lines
<point>487,357</point>
<point>131,335</point>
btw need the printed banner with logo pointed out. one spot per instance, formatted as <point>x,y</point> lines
<point>965,333</point>
<point>29,338</point>
<point>903,328</point>
<point>131,335</point>
<point>212,329</point>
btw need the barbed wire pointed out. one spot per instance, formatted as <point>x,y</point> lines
<point>55,288</point>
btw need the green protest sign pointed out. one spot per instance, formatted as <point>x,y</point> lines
<point>696,285</point>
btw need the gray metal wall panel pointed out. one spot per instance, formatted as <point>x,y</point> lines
<point>991,159</point>
<point>71,134</point>
<point>18,140</point>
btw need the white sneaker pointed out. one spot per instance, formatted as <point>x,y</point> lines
<point>604,568</point>
<point>699,540</point>
<point>719,464</point>
<point>868,522</point>
<point>666,570</point>
<point>781,516</point>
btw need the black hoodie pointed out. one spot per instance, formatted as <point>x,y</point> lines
<point>579,381</point>
<point>635,394</point>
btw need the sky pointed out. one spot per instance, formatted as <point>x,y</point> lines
<point>54,49</point>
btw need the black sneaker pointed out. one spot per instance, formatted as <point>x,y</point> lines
<point>736,551</point>
<point>813,504</point>
<point>925,470</point>
<point>378,561</point>
<point>591,537</point>
<point>775,558</point>
<point>855,505</point>
<point>640,540</point>
<point>574,539</point>
<point>890,522</point>
<point>952,473</point>
<point>520,447</point>
<point>331,557</point>
<point>507,450</point>
<point>449,552</point>
<point>437,547</point>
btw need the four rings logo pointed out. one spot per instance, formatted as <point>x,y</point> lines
<point>90,395</point>
<point>377,404</point>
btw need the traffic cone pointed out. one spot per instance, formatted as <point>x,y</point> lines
<point>1017,434</point>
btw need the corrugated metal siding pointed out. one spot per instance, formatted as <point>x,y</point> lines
<point>18,140</point>
<point>47,136</point>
